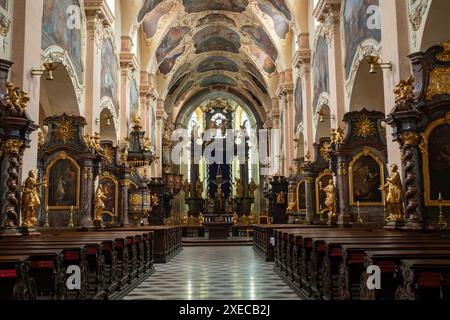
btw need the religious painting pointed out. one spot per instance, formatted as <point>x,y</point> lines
<point>218,79</point>
<point>63,189</point>
<point>217,38</point>
<point>134,98</point>
<point>436,163</point>
<point>56,33</point>
<point>264,60</point>
<point>281,6</point>
<point>188,85</point>
<point>366,176</point>
<point>111,190</point>
<point>320,70</point>
<point>324,180</point>
<point>192,6</point>
<point>151,21</point>
<point>110,74</point>
<point>301,196</point>
<point>298,103</point>
<point>172,39</point>
<point>280,23</point>
<point>215,18</point>
<point>361,22</point>
<point>218,63</point>
<point>262,40</point>
<point>169,62</point>
<point>148,6</point>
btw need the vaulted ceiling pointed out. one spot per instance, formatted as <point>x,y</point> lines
<point>196,46</point>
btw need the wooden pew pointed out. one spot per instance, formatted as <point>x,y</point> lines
<point>351,263</point>
<point>424,279</point>
<point>389,263</point>
<point>15,283</point>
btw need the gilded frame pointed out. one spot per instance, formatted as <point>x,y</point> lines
<point>366,153</point>
<point>107,176</point>
<point>425,163</point>
<point>297,192</point>
<point>63,156</point>
<point>326,172</point>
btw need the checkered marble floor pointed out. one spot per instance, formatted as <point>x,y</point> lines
<point>214,273</point>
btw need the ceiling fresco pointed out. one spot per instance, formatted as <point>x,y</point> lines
<point>171,41</point>
<point>218,63</point>
<point>262,40</point>
<point>279,21</point>
<point>218,79</point>
<point>225,5</point>
<point>176,85</point>
<point>185,89</point>
<point>151,21</point>
<point>280,5</point>
<point>169,62</point>
<point>258,83</point>
<point>265,62</point>
<point>216,18</point>
<point>148,6</point>
<point>217,38</point>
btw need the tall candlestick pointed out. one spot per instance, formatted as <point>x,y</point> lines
<point>359,219</point>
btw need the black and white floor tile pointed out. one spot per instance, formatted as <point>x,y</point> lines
<point>214,273</point>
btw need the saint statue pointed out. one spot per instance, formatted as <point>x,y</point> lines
<point>30,201</point>
<point>394,198</point>
<point>199,189</point>
<point>100,196</point>
<point>330,201</point>
<point>235,218</point>
<point>186,189</point>
<point>240,192</point>
<point>201,219</point>
<point>252,188</point>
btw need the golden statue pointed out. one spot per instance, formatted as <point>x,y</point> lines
<point>100,196</point>
<point>184,219</point>
<point>147,144</point>
<point>17,99</point>
<point>186,189</point>
<point>281,197</point>
<point>404,91</point>
<point>235,218</point>
<point>252,188</point>
<point>199,189</point>
<point>331,200</point>
<point>394,197</point>
<point>200,219</point>
<point>30,201</point>
<point>240,193</point>
<point>337,136</point>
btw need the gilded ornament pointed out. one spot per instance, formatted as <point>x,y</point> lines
<point>16,98</point>
<point>409,138</point>
<point>365,127</point>
<point>135,200</point>
<point>337,136</point>
<point>404,92</point>
<point>325,149</point>
<point>108,155</point>
<point>281,197</point>
<point>155,200</point>
<point>13,145</point>
<point>444,56</point>
<point>64,131</point>
<point>439,82</point>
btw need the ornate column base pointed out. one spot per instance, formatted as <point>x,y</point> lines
<point>10,232</point>
<point>86,222</point>
<point>29,232</point>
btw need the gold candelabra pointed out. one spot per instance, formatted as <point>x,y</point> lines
<point>359,219</point>
<point>71,224</point>
<point>442,222</point>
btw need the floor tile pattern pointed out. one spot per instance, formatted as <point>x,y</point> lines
<point>214,273</point>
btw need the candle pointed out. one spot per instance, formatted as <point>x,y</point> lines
<point>440,196</point>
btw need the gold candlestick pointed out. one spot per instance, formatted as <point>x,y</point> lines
<point>442,222</point>
<point>359,219</point>
<point>71,224</point>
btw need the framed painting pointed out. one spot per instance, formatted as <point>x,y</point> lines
<point>301,196</point>
<point>63,189</point>
<point>435,149</point>
<point>366,176</point>
<point>323,178</point>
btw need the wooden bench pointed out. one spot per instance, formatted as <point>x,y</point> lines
<point>15,283</point>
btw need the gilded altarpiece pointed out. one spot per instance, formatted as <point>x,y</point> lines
<point>71,163</point>
<point>421,125</point>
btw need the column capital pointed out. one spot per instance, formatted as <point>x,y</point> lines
<point>327,11</point>
<point>99,9</point>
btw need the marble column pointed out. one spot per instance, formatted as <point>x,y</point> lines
<point>87,192</point>
<point>309,191</point>
<point>161,115</point>
<point>124,186</point>
<point>344,217</point>
<point>26,55</point>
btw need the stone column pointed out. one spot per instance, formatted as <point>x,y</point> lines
<point>394,41</point>
<point>161,115</point>
<point>344,217</point>
<point>128,65</point>
<point>26,55</point>
<point>87,192</point>
<point>124,186</point>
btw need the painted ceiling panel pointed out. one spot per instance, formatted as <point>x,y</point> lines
<point>217,38</point>
<point>279,21</point>
<point>262,40</point>
<point>264,60</point>
<point>280,5</point>
<point>151,21</point>
<point>218,63</point>
<point>204,5</point>
<point>216,18</point>
<point>148,6</point>
<point>169,62</point>
<point>171,41</point>
<point>218,79</point>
